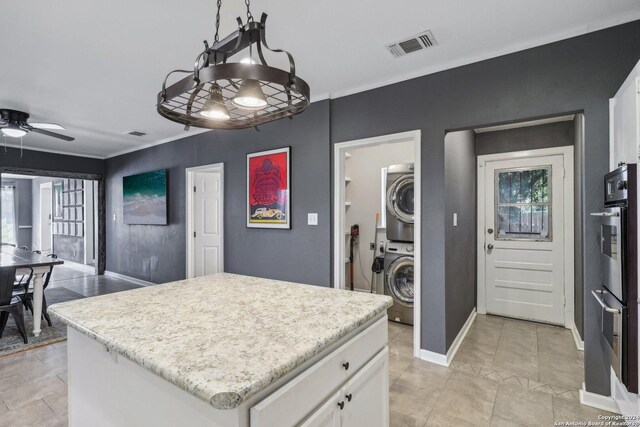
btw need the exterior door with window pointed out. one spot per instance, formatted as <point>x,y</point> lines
<point>524,238</point>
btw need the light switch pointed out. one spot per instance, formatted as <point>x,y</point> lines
<point>312,219</point>
<point>114,217</point>
<point>455,219</point>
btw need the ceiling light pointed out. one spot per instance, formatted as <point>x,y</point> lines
<point>13,132</point>
<point>214,107</point>
<point>250,96</point>
<point>219,94</point>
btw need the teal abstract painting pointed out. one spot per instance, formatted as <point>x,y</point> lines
<point>145,198</point>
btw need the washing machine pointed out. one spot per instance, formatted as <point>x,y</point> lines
<point>400,202</point>
<point>398,280</point>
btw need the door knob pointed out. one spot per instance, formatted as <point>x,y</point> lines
<point>489,246</point>
<point>490,231</point>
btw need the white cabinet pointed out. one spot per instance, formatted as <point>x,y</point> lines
<point>358,368</point>
<point>361,402</point>
<point>624,122</point>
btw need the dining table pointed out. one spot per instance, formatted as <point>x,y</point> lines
<point>25,261</point>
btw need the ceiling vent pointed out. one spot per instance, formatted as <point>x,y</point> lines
<point>135,133</point>
<point>413,44</point>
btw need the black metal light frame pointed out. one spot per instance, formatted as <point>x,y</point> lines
<point>286,93</point>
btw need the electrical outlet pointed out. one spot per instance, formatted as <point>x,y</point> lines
<point>372,246</point>
<point>312,219</point>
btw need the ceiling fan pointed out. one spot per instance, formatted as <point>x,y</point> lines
<point>15,124</point>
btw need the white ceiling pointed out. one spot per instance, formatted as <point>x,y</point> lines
<point>96,66</point>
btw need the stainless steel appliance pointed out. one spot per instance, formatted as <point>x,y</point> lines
<point>398,280</point>
<point>400,203</point>
<point>618,294</point>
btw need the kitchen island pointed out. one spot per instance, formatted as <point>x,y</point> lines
<point>228,350</point>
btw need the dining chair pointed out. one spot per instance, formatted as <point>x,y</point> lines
<point>27,296</point>
<point>9,303</point>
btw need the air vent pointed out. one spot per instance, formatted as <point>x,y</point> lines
<point>135,133</point>
<point>413,44</point>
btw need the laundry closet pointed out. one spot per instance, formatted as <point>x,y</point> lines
<point>378,220</point>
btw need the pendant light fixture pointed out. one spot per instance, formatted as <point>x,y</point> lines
<point>221,94</point>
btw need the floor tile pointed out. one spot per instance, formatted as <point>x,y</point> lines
<point>517,408</point>
<point>396,419</point>
<point>412,403</point>
<point>59,403</point>
<point>464,406</point>
<point>565,410</point>
<point>424,377</point>
<point>30,392</point>
<point>36,413</point>
<point>475,385</point>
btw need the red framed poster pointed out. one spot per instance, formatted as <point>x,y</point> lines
<point>268,189</point>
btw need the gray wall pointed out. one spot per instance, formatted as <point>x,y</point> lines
<point>460,242</point>
<point>40,160</point>
<point>549,135</point>
<point>579,74</point>
<point>157,253</point>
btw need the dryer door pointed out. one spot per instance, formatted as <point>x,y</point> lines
<point>399,281</point>
<point>400,198</point>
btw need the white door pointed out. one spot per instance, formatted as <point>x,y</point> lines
<point>524,238</point>
<point>45,218</point>
<point>207,223</point>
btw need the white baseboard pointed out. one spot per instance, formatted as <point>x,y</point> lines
<point>128,278</point>
<point>598,401</point>
<point>81,267</point>
<point>576,337</point>
<point>446,359</point>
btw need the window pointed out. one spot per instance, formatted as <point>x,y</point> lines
<point>8,215</point>
<point>523,204</point>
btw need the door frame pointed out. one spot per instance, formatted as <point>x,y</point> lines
<point>45,185</point>
<point>568,225</point>
<point>340,150</point>
<point>190,174</point>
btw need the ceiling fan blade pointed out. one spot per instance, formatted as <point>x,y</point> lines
<point>50,126</point>
<point>52,134</point>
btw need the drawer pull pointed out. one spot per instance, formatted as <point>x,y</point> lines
<point>346,366</point>
<point>349,396</point>
<point>341,405</point>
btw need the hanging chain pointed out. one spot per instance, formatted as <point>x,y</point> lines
<point>249,15</point>
<point>216,38</point>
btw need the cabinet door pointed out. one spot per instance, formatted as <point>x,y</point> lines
<point>328,414</point>
<point>624,111</point>
<point>366,395</point>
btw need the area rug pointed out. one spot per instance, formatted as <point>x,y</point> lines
<point>11,341</point>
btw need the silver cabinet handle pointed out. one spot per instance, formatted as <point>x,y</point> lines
<point>608,214</point>
<point>602,304</point>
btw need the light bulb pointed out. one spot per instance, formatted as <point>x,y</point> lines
<point>247,61</point>
<point>214,107</point>
<point>13,132</point>
<point>250,96</point>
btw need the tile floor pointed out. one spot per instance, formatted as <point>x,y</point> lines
<point>506,373</point>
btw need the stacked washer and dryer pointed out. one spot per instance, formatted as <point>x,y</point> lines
<point>398,254</point>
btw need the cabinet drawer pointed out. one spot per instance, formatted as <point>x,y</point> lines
<point>300,396</point>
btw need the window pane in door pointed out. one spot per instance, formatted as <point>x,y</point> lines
<point>523,206</point>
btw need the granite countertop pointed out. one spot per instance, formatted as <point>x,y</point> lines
<point>225,337</point>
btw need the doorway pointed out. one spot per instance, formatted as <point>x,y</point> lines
<point>342,155</point>
<point>205,220</point>
<point>525,235</point>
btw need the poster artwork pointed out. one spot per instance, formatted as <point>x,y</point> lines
<point>268,188</point>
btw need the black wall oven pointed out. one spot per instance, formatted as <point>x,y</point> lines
<point>618,294</point>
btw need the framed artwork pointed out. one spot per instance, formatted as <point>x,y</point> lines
<point>269,189</point>
<point>57,200</point>
<point>145,198</point>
